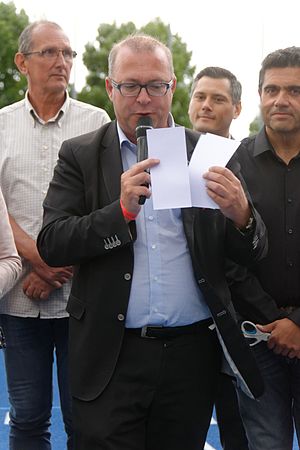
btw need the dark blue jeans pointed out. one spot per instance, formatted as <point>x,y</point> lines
<point>29,353</point>
<point>270,420</point>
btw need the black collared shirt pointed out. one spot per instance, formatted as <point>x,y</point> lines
<point>275,190</point>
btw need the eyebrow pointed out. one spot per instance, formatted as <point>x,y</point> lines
<point>214,94</point>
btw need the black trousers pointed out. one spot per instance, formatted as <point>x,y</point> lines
<point>160,397</point>
<point>231,428</point>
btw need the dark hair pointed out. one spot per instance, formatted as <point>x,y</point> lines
<point>286,57</point>
<point>218,73</point>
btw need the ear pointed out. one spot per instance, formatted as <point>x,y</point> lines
<point>237,110</point>
<point>20,62</point>
<point>174,84</point>
<point>108,87</point>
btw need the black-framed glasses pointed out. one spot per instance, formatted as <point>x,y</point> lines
<point>155,89</point>
<point>52,53</point>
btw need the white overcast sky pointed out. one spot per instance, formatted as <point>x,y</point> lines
<point>235,34</point>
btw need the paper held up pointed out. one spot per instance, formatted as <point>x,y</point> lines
<point>174,182</point>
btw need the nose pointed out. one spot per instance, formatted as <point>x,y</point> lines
<point>282,98</point>
<point>60,59</point>
<point>206,104</point>
<point>143,96</point>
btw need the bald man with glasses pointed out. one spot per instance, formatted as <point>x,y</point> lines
<point>144,354</point>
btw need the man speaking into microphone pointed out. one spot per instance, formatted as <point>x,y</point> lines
<point>144,124</point>
<point>148,284</point>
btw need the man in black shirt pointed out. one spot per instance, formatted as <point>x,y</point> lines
<point>270,164</point>
<point>215,103</point>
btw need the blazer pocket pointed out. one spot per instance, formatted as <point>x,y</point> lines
<point>75,307</point>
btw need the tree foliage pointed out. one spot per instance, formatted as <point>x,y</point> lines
<point>12,85</point>
<point>95,59</point>
<point>255,125</point>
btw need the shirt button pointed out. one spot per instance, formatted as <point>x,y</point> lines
<point>155,278</point>
<point>289,200</point>
<point>150,217</point>
<point>153,246</point>
<point>127,276</point>
<point>121,317</point>
<point>290,264</point>
<point>290,231</point>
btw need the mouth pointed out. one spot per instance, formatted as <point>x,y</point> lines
<point>59,75</point>
<point>206,118</point>
<point>281,115</point>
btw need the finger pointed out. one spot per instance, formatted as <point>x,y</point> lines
<point>271,343</point>
<point>264,328</point>
<point>44,295</point>
<point>56,284</point>
<point>146,164</point>
<point>277,350</point>
<point>216,172</point>
<point>285,352</point>
<point>130,179</point>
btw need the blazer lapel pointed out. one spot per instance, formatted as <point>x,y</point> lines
<point>110,162</point>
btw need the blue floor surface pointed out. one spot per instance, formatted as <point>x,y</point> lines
<point>58,436</point>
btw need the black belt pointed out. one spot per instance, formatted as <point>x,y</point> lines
<point>159,332</point>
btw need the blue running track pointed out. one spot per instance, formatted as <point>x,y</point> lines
<point>58,435</point>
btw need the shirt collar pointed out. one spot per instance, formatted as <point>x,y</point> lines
<point>262,143</point>
<point>58,118</point>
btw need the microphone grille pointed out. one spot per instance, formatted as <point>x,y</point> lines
<point>144,123</point>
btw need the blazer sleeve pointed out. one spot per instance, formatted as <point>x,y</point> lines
<point>248,296</point>
<point>80,222</point>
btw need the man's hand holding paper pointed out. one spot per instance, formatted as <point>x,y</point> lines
<point>225,189</point>
<point>205,182</point>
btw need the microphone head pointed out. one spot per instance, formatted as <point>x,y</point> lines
<point>144,123</point>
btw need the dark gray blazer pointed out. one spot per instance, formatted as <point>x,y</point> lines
<point>83,226</point>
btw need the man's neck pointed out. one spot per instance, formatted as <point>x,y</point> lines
<point>285,144</point>
<point>47,106</point>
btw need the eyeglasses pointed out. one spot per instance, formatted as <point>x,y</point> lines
<point>158,89</point>
<point>52,53</point>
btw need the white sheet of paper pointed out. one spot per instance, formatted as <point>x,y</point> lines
<point>174,183</point>
<point>170,179</point>
<point>211,150</point>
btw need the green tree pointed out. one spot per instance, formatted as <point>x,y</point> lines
<point>12,84</point>
<point>95,59</point>
<point>255,125</point>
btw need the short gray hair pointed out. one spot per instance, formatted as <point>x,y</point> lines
<point>219,73</point>
<point>25,38</point>
<point>138,43</point>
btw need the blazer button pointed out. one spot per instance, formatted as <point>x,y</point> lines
<point>127,276</point>
<point>201,281</point>
<point>121,317</point>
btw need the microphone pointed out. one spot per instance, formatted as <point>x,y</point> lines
<point>144,124</point>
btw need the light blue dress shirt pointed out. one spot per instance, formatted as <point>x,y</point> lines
<point>164,290</point>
